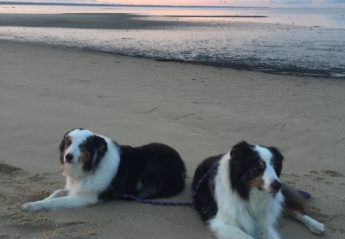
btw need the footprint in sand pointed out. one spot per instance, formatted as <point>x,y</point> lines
<point>322,175</point>
<point>8,169</point>
<point>332,173</point>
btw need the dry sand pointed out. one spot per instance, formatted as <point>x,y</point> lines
<point>199,110</point>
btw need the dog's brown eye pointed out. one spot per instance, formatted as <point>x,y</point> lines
<point>82,146</point>
<point>257,169</point>
<point>68,142</point>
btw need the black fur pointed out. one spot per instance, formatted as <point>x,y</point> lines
<point>203,200</point>
<point>244,165</point>
<point>97,147</point>
<point>293,200</point>
<point>277,160</point>
<point>150,171</point>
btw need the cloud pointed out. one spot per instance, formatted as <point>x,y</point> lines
<point>284,2</point>
<point>53,1</point>
<point>336,1</point>
<point>208,2</point>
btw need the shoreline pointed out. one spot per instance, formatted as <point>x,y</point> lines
<point>263,47</point>
<point>198,110</point>
<point>320,74</point>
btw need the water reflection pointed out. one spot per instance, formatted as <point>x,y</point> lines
<point>325,17</point>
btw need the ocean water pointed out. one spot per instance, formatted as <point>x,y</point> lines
<point>283,41</point>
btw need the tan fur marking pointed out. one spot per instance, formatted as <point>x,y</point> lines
<point>290,212</point>
<point>66,139</point>
<point>62,153</point>
<point>85,156</point>
<point>256,182</point>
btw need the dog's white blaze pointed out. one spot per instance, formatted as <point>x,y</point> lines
<point>270,174</point>
<point>77,136</point>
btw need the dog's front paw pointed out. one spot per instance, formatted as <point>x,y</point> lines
<point>32,206</point>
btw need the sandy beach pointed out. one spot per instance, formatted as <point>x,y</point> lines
<point>199,110</point>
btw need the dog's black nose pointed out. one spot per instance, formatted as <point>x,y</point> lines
<point>276,186</point>
<point>69,158</point>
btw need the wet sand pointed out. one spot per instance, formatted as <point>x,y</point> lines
<point>84,21</point>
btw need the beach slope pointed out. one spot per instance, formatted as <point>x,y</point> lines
<point>199,110</point>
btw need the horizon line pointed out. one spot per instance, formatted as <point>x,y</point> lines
<point>124,5</point>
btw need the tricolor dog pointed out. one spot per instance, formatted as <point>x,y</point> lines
<point>98,169</point>
<point>239,194</point>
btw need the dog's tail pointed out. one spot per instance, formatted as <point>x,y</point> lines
<point>293,199</point>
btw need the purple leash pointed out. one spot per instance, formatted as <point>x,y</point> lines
<point>164,203</point>
<point>156,203</point>
<point>304,194</point>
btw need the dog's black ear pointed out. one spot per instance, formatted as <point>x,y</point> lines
<point>240,154</point>
<point>96,147</point>
<point>240,149</point>
<point>277,160</point>
<point>100,144</point>
<point>275,151</point>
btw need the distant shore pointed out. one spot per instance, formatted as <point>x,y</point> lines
<point>102,20</point>
<point>217,16</point>
<point>121,5</point>
<point>83,21</point>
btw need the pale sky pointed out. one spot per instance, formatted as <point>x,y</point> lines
<point>208,2</point>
